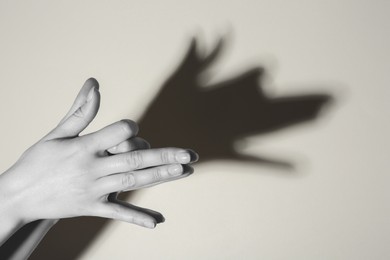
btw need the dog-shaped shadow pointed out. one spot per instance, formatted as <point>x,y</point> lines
<point>211,118</point>
<point>189,113</point>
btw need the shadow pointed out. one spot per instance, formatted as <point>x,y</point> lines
<point>187,112</point>
<point>209,119</point>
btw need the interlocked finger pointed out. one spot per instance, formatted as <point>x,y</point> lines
<point>122,212</point>
<point>156,215</point>
<point>112,135</point>
<point>132,144</point>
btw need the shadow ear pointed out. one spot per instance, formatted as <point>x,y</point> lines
<point>188,59</point>
<point>213,55</point>
<point>196,61</point>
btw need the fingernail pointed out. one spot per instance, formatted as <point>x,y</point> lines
<point>90,94</point>
<point>175,170</point>
<point>94,82</point>
<point>149,224</point>
<point>113,149</point>
<point>183,157</point>
<point>188,169</point>
<point>194,155</point>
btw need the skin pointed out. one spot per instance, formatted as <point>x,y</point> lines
<point>66,174</point>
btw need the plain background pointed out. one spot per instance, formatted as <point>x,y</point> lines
<point>334,205</point>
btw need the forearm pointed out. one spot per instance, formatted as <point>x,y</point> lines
<point>28,239</point>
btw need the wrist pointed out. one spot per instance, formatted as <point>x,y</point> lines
<point>11,204</point>
<point>9,225</point>
<point>11,219</point>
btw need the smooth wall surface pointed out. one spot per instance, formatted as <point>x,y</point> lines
<point>334,202</point>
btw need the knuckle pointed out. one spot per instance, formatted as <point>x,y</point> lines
<point>164,156</point>
<point>80,146</point>
<point>79,113</point>
<point>128,180</point>
<point>134,159</point>
<point>116,211</point>
<point>157,175</point>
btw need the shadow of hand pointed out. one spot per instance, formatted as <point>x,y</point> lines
<point>211,118</point>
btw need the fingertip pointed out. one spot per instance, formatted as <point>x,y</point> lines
<point>147,144</point>
<point>194,156</point>
<point>150,224</point>
<point>156,215</point>
<point>186,156</point>
<point>175,169</point>
<point>133,126</point>
<point>183,157</point>
<point>92,81</point>
<point>187,169</point>
<point>140,143</point>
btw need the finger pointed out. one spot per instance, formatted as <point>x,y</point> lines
<point>132,144</point>
<point>142,178</point>
<point>112,210</point>
<point>81,97</point>
<point>112,135</point>
<point>80,119</point>
<point>140,159</point>
<point>156,215</point>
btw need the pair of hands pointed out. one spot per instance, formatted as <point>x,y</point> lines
<point>67,175</point>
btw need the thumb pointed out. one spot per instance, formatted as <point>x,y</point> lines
<point>81,97</point>
<point>80,115</point>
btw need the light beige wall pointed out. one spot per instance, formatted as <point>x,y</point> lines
<point>336,203</point>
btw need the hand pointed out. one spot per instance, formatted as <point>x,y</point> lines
<point>67,175</point>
